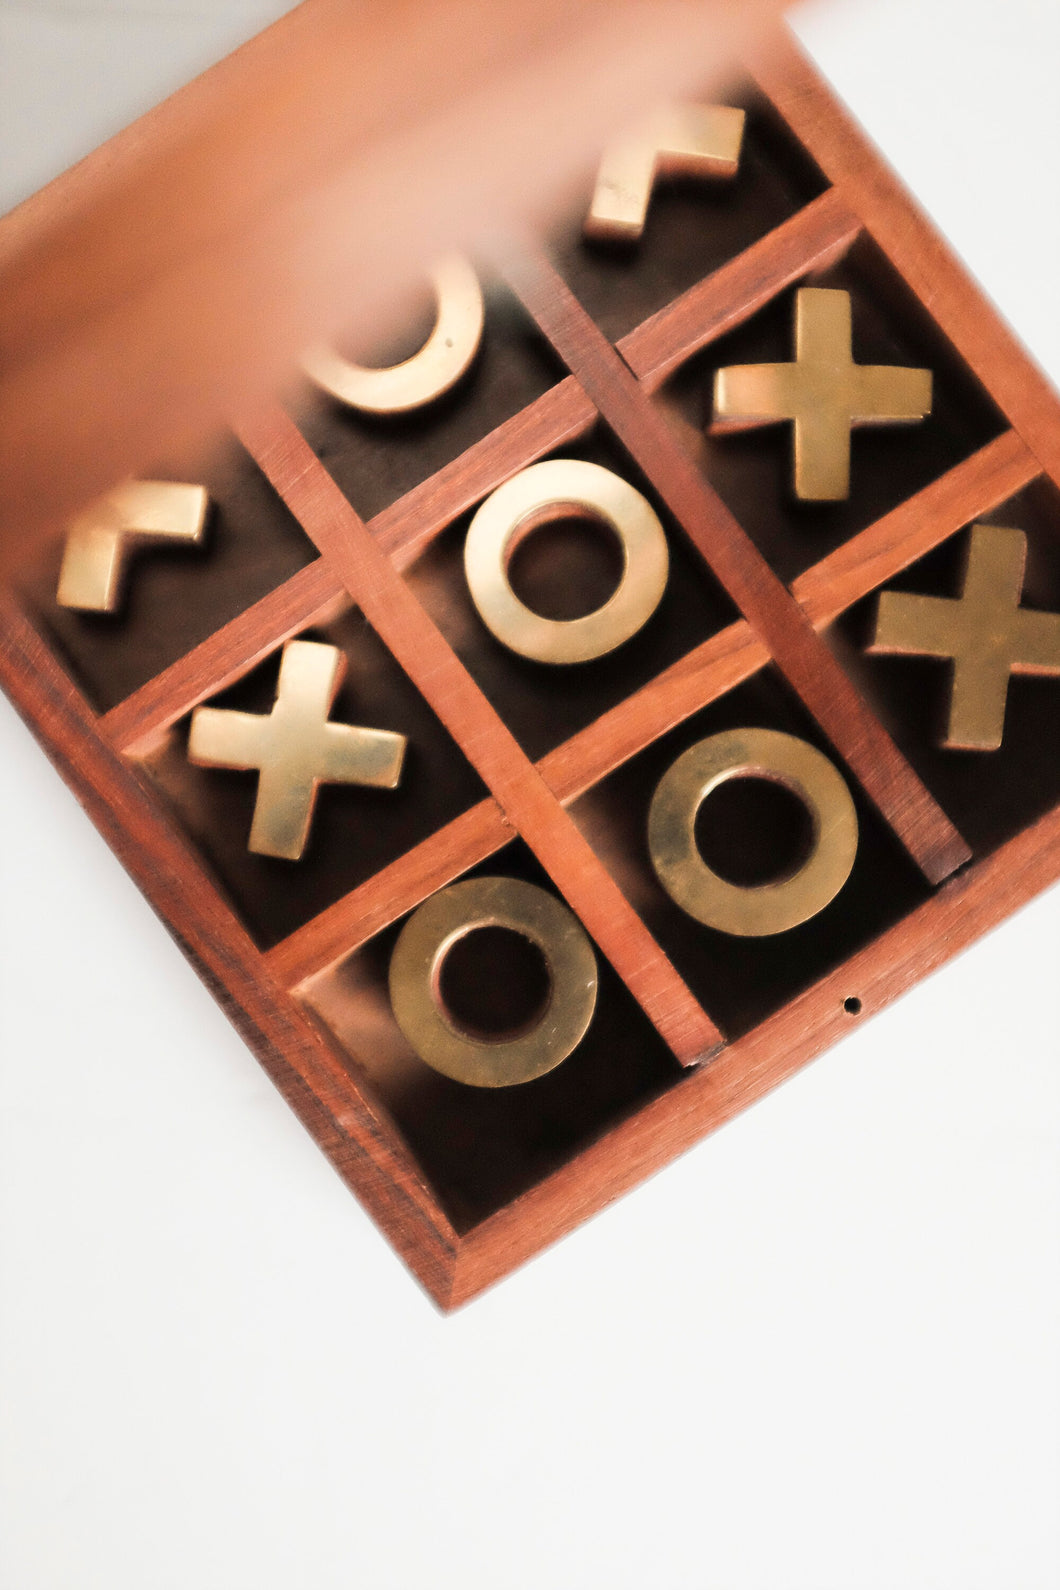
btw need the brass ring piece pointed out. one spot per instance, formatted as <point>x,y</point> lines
<point>415,969</point>
<point>766,908</point>
<point>439,364</point>
<point>527,501</point>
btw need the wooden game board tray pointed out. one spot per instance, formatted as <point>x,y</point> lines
<point>350,532</point>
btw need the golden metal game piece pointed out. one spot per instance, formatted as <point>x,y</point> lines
<point>824,393</point>
<point>415,972</point>
<point>984,632</point>
<point>557,488</point>
<point>295,748</point>
<point>439,364</point>
<point>752,912</point>
<point>679,140</point>
<point>100,539</point>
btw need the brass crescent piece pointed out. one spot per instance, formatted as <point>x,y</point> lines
<point>548,491</point>
<point>439,364</point>
<point>415,971</point>
<point>752,912</point>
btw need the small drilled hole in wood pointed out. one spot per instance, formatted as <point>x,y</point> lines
<point>852,1006</point>
<point>752,831</point>
<point>566,565</point>
<point>494,984</point>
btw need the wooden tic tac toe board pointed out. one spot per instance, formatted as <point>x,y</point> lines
<point>887,771</point>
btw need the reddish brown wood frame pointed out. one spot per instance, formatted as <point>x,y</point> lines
<point>97,754</point>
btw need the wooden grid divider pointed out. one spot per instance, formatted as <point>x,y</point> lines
<point>825,591</point>
<point>812,240</point>
<point>706,673</point>
<point>808,241</point>
<point>222,658</point>
<point>803,659</point>
<point>390,894</point>
<point>529,806</point>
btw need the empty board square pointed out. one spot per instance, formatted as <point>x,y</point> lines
<point>479,1148</point>
<point>377,458</point>
<point>752,470</point>
<point>990,795</point>
<point>750,831</point>
<point>356,830</point>
<point>174,597</point>
<point>694,224</point>
<point>562,570</point>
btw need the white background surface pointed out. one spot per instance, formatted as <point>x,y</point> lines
<point>820,1353</point>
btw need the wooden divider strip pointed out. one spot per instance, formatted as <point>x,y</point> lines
<point>799,653</point>
<point>814,238</point>
<point>222,657</point>
<point>976,486</point>
<point>408,526</point>
<point>397,617</point>
<point>851,572</point>
<point>706,673</point>
<point>404,529</point>
<point>390,893</point>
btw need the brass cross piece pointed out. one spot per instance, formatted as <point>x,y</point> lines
<point>824,392</point>
<point>985,632</point>
<point>295,748</point>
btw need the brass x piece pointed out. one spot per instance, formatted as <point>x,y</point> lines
<point>984,631</point>
<point>295,749</point>
<point>824,393</point>
<point>679,140</point>
<point>100,539</point>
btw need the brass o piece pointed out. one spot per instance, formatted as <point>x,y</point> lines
<point>439,364</point>
<point>752,912</point>
<point>415,971</point>
<point>527,501</point>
